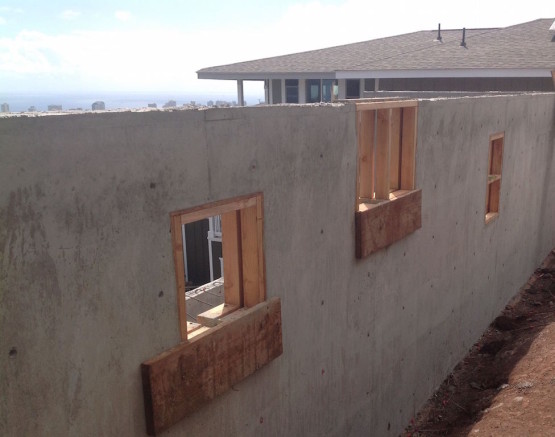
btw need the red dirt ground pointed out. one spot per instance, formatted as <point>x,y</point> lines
<point>505,386</point>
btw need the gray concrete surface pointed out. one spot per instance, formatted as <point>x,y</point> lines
<point>87,289</point>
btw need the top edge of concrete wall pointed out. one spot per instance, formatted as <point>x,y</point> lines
<point>369,97</point>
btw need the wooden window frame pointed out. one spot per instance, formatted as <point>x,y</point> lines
<point>233,340</point>
<point>495,167</point>
<point>388,205</point>
<point>242,250</point>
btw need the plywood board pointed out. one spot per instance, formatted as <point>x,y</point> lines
<point>386,223</point>
<point>383,147</point>
<point>231,253</point>
<point>180,280</point>
<point>183,379</point>
<point>249,255</point>
<point>408,148</point>
<point>395,150</point>
<point>365,125</point>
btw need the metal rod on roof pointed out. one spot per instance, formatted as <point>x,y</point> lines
<point>463,42</point>
<point>439,31</point>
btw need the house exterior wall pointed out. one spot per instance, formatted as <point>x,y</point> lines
<point>87,288</point>
<point>468,84</point>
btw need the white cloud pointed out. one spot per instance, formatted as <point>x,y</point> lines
<point>10,9</point>
<point>123,15</point>
<point>69,14</point>
<point>3,20</point>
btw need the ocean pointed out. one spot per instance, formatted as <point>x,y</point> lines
<point>20,102</point>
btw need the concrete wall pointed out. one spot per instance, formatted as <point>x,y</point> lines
<point>87,289</point>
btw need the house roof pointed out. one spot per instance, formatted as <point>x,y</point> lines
<point>524,49</point>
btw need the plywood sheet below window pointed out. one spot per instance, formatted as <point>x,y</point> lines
<point>186,377</point>
<point>385,223</point>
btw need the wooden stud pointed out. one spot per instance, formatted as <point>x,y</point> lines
<point>180,280</point>
<point>493,203</point>
<point>497,156</point>
<point>231,254</point>
<point>249,256</point>
<point>365,123</point>
<point>184,378</point>
<point>408,148</point>
<point>383,139</point>
<point>395,150</point>
<point>260,247</point>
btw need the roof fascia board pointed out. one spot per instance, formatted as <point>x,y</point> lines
<point>462,72</point>
<point>264,76</point>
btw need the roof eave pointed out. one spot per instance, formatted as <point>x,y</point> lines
<point>264,75</point>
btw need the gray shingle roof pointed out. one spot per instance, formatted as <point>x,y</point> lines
<point>523,46</point>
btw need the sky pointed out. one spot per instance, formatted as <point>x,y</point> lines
<point>158,45</point>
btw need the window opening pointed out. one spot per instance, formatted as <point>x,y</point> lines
<point>387,144</point>
<point>352,89</point>
<point>291,91</point>
<point>388,206</point>
<point>329,90</point>
<point>313,91</point>
<point>495,163</point>
<point>231,231</point>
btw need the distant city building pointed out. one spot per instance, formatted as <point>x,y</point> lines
<point>32,109</point>
<point>210,103</point>
<point>98,106</point>
<point>54,107</point>
<point>170,104</point>
<point>152,105</point>
<point>5,107</point>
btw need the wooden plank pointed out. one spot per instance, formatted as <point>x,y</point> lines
<point>219,207</point>
<point>408,148</point>
<point>214,315</point>
<point>494,192</point>
<point>180,280</point>
<point>231,253</point>
<point>386,223</point>
<point>395,150</point>
<point>363,106</point>
<point>249,256</point>
<point>497,156</point>
<point>260,247</point>
<point>186,377</point>
<point>383,139</point>
<point>365,182</point>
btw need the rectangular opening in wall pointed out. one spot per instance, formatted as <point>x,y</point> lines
<point>495,163</point>
<point>233,340</point>
<point>219,263</point>
<point>203,267</point>
<point>386,173</point>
